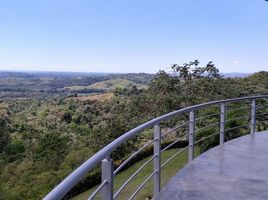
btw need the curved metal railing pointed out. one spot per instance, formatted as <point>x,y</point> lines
<point>194,126</point>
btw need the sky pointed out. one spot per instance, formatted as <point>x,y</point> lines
<point>132,35</point>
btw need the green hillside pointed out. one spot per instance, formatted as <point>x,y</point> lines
<point>109,85</point>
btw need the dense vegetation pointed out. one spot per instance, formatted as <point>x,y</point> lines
<point>43,139</point>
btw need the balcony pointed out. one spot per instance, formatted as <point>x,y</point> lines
<point>234,169</point>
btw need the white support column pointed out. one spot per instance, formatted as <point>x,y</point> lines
<point>253,117</point>
<point>222,124</point>
<point>107,175</point>
<point>157,161</point>
<point>191,136</point>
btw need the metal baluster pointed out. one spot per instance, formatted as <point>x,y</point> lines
<point>191,136</point>
<point>157,160</point>
<point>222,124</point>
<point>107,175</point>
<point>253,117</point>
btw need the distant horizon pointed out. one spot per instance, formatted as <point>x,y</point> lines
<point>155,70</point>
<point>95,72</point>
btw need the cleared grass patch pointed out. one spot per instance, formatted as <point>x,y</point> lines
<point>168,171</point>
<point>108,85</point>
<point>95,97</point>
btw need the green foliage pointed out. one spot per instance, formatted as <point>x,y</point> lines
<point>42,140</point>
<point>4,127</point>
<point>51,149</point>
<point>4,134</point>
<point>14,151</point>
<point>191,70</point>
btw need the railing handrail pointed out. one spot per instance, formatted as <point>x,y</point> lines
<point>69,182</point>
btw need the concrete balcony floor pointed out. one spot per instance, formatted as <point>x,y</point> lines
<point>236,171</point>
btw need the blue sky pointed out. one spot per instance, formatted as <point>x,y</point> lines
<point>132,35</point>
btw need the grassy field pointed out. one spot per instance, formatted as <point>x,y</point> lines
<point>94,97</point>
<point>108,85</point>
<point>168,171</point>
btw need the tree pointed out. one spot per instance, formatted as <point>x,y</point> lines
<point>4,134</point>
<point>4,127</point>
<point>52,149</point>
<point>191,70</point>
<point>14,151</point>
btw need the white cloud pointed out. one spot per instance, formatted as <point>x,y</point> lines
<point>236,62</point>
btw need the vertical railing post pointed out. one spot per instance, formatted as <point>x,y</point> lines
<point>253,117</point>
<point>107,175</point>
<point>157,161</point>
<point>191,136</point>
<point>222,124</point>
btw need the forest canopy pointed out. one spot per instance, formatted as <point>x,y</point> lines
<point>43,138</point>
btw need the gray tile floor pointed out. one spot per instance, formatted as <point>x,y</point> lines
<point>236,171</point>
